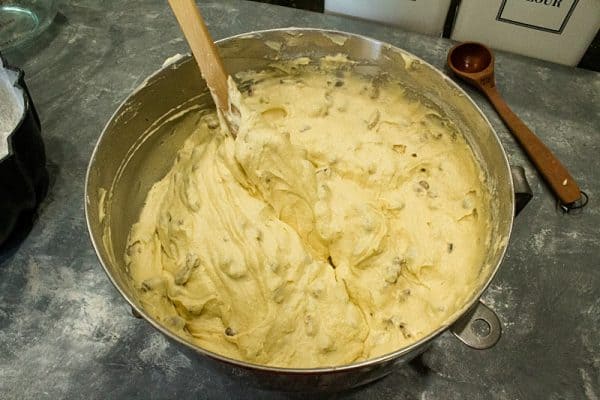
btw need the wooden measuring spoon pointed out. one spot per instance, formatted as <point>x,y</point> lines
<point>474,63</point>
<point>205,52</point>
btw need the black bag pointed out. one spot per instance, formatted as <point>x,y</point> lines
<point>23,174</point>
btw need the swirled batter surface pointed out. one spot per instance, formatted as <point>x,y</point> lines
<point>345,221</point>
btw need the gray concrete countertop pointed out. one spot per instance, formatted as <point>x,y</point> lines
<point>65,332</point>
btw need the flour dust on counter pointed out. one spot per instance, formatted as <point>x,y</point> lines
<point>65,315</point>
<point>346,220</point>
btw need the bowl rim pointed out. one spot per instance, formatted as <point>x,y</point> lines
<point>381,359</point>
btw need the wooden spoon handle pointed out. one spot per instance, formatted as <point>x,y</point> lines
<point>557,176</point>
<point>204,49</point>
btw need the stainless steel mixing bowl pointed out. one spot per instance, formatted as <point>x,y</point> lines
<point>139,143</point>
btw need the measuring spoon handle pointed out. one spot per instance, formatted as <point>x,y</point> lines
<point>557,176</point>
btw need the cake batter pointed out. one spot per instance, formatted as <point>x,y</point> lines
<point>345,221</point>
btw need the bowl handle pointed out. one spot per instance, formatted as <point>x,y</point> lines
<point>480,328</point>
<point>523,193</point>
<point>136,314</point>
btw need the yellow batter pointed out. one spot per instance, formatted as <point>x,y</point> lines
<point>345,221</point>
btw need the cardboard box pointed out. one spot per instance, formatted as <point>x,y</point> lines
<point>553,30</point>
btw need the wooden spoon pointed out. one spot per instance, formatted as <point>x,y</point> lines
<point>474,63</point>
<point>205,52</point>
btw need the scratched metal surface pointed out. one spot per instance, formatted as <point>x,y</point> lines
<point>66,333</point>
